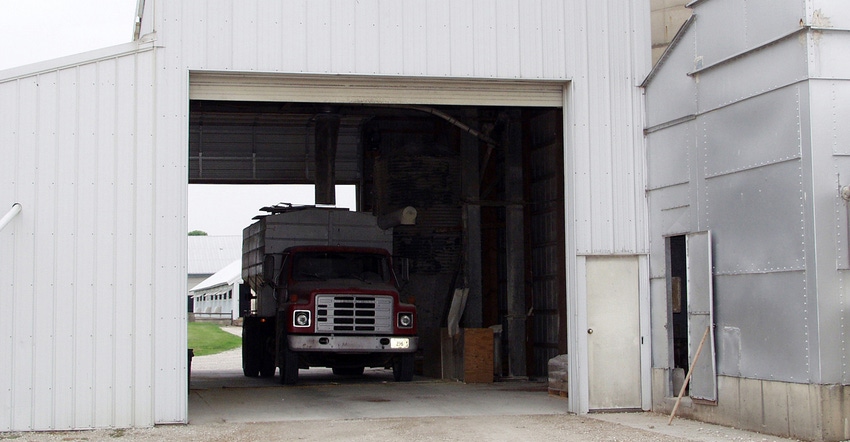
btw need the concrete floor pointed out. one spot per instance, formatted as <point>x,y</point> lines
<point>225,406</point>
<point>221,395</point>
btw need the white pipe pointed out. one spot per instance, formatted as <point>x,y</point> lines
<point>16,209</point>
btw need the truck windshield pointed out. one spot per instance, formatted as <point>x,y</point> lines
<point>312,266</point>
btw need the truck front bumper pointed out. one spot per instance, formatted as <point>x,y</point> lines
<point>353,344</point>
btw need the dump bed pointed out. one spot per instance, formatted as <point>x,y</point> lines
<point>312,226</point>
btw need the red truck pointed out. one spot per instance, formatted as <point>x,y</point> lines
<point>323,294</point>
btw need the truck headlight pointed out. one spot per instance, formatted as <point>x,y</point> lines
<point>405,320</point>
<point>301,318</point>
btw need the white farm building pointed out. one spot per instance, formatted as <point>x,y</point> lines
<point>592,205</point>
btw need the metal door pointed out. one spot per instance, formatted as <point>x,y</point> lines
<point>703,384</point>
<point>613,334</point>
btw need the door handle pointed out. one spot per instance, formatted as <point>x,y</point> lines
<point>590,331</point>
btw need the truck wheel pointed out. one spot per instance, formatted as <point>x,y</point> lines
<point>348,371</point>
<point>403,368</point>
<point>289,368</point>
<point>250,353</point>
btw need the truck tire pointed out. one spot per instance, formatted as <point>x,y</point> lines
<point>251,352</point>
<point>289,368</point>
<point>403,367</point>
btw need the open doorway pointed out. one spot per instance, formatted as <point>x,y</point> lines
<point>678,301</point>
<point>449,162</point>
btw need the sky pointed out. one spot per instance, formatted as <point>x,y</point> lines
<point>38,30</point>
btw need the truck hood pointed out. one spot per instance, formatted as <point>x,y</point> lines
<point>347,284</point>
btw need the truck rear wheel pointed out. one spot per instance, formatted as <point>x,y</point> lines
<point>251,352</point>
<point>403,367</point>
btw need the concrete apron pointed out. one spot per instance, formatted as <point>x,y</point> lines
<point>220,394</point>
<point>321,395</point>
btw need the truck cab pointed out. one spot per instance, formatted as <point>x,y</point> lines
<point>320,305</point>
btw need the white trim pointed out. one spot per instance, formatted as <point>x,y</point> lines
<point>361,89</point>
<point>645,333</point>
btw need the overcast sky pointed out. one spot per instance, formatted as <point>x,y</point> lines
<point>37,30</point>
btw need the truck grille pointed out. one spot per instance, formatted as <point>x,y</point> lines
<point>354,313</point>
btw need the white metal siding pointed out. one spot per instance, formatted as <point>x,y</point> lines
<point>96,153</point>
<point>602,48</point>
<point>86,283</point>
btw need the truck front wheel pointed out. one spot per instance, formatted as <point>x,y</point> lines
<point>289,367</point>
<point>403,367</point>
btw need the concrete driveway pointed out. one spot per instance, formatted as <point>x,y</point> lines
<point>225,406</point>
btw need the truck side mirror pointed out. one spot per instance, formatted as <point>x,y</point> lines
<point>268,269</point>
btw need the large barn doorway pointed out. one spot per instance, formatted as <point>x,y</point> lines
<point>482,162</point>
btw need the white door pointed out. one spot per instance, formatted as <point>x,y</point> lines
<point>613,333</point>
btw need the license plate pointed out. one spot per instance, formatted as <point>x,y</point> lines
<point>399,343</point>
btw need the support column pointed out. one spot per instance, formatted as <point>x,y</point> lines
<point>514,245</point>
<point>471,185</point>
<point>327,133</point>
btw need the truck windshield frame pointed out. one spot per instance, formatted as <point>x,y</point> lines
<point>330,265</point>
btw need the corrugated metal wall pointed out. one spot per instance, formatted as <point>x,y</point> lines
<point>602,47</point>
<point>747,147</point>
<point>91,267</point>
<point>94,267</point>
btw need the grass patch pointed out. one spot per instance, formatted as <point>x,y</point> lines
<point>209,339</point>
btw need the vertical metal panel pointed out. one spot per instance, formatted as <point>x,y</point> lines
<point>830,227</point>
<point>488,40</point>
<point>343,48</point>
<point>367,38</point>
<point>507,28</point>
<point>665,148</point>
<point>43,323</point>
<point>462,45</point>
<point>757,220</point>
<point>671,93</point>
<point>415,37</point>
<point>728,15</point>
<point>771,67</point>
<point>552,40</point>
<point>440,38</point>
<point>530,46</point>
<point>739,144</point>
<point>318,23</point>
<point>86,269</point>
<point>391,42</point>
<point>246,31</point>
<point>761,326</point>
<point>9,93</point>
<point>65,234</point>
<point>77,323</point>
<point>270,29</point>
<point>835,10</point>
<point>701,316</point>
<point>105,260</point>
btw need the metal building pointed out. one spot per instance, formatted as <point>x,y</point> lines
<point>95,151</point>
<point>747,168</point>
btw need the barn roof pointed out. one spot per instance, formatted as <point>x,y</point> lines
<point>226,276</point>
<point>209,254</point>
